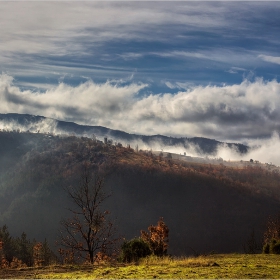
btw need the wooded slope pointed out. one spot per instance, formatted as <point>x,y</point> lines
<point>207,207</point>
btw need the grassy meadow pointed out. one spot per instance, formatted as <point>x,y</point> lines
<point>211,266</point>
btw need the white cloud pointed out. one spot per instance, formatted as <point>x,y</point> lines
<point>224,55</point>
<point>86,101</point>
<point>181,54</point>
<point>246,110</point>
<point>234,70</point>
<point>268,58</point>
<point>179,85</point>
<point>170,85</point>
<point>37,35</point>
<point>130,55</point>
<point>57,28</point>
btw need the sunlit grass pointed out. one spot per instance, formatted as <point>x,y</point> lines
<point>212,266</point>
<point>177,261</point>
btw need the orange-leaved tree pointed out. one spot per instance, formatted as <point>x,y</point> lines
<point>157,238</point>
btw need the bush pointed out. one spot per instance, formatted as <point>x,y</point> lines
<point>272,247</point>
<point>266,248</point>
<point>157,238</point>
<point>133,250</point>
<point>275,246</point>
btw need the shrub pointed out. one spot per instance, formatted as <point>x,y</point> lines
<point>157,238</point>
<point>133,250</point>
<point>275,246</point>
<point>266,248</point>
<point>272,247</point>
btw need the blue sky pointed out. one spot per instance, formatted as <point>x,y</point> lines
<point>186,68</point>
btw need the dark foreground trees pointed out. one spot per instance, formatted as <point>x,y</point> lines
<point>21,252</point>
<point>272,236</point>
<point>89,233</point>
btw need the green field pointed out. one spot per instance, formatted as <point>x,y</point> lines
<point>211,266</point>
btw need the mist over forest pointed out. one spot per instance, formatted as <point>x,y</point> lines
<point>195,146</point>
<point>207,207</point>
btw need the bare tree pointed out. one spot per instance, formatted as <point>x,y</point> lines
<point>252,244</point>
<point>89,232</point>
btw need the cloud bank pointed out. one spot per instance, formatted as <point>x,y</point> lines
<point>228,112</point>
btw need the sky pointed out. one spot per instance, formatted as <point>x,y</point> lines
<point>183,69</point>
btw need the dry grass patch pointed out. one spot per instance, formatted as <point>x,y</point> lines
<point>178,261</point>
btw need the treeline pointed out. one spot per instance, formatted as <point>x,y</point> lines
<point>23,252</point>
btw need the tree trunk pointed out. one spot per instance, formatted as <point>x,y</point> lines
<point>91,259</point>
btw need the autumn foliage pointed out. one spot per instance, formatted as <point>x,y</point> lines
<point>157,238</point>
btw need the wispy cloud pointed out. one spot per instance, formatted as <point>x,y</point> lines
<point>234,70</point>
<point>179,85</point>
<point>130,55</point>
<point>180,54</point>
<point>60,29</point>
<point>223,55</point>
<point>268,58</point>
<point>51,33</point>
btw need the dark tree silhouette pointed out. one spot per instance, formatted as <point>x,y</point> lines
<point>89,231</point>
<point>272,229</point>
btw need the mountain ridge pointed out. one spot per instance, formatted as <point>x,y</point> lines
<point>32,123</point>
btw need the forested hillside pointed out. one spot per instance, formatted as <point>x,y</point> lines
<point>206,207</point>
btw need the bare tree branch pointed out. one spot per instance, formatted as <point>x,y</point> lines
<point>89,231</point>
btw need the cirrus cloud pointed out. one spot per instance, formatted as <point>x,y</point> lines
<point>269,58</point>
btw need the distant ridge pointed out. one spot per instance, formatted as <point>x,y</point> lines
<point>40,124</point>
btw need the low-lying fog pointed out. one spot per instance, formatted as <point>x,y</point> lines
<point>262,150</point>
